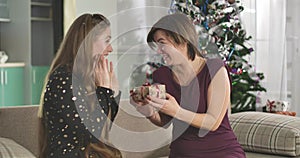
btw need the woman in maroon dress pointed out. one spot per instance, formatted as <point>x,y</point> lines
<point>198,94</point>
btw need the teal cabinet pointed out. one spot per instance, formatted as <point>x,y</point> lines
<point>11,86</point>
<point>38,76</point>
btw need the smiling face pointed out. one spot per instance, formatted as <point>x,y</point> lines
<point>102,45</point>
<point>173,54</point>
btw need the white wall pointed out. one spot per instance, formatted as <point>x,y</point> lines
<point>69,14</point>
<point>74,8</point>
<point>105,7</point>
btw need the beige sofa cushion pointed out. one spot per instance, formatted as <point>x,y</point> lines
<point>267,133</point>
<point>20,123</point>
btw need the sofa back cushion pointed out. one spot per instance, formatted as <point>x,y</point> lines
<point>136,136</point>
<point>267,132</point>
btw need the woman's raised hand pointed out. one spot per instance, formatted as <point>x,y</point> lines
<point>113,79</point>
<point>105,75</point>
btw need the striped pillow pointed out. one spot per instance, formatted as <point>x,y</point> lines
<point>267,133</point>
<point>10,149</point>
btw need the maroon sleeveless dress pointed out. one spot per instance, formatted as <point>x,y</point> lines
<point>189,141</point>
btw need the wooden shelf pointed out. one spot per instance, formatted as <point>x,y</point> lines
<point>41,4</point>
<point>40,19</point>
<point>41,11</point>
<point>4,20</point>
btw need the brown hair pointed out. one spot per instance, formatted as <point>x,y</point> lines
<point>75,53</point>
<point>180,29</point>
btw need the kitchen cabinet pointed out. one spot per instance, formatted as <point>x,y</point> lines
<point>42,45</point>
<point>11,84</point>
<point>31,37</point>
<point>41,25</point>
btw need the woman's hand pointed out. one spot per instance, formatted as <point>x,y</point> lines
<point>168,106</point>
<point>105,75</point>
<point>113,79</point>
<point>143,107</point>
<point>102,77</point>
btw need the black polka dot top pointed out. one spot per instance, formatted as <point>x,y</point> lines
<point>71,123</point>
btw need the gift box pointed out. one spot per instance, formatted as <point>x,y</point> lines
<point>155,90</point>
<point>277,106</point>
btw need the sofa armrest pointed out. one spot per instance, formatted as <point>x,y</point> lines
<point>11,149</point>
<point>267,133</point>
<point>20,123</point>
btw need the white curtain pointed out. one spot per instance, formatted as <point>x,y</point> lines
<point>293,44</point>
<point>265,21</point>
<point>271,57</point>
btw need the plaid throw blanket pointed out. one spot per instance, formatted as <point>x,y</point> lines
<point>267,133</point>
<point>10,149</point>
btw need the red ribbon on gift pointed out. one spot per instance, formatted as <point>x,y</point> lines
<point>270,104</point>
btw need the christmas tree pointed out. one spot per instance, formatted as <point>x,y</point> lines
<point>221,34</point>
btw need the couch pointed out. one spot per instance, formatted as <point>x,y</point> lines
<point>19,133</point>
<point>262,135</point>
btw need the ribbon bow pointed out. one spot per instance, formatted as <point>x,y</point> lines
<point>271,105</point>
